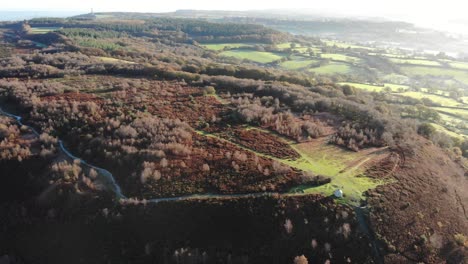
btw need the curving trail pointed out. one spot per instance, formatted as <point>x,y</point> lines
<point>109,181</point>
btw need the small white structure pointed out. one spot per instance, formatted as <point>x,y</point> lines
<point>338,193</point>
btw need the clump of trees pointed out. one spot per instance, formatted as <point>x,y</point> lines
<point>353,137</point>
<point>284,122</point>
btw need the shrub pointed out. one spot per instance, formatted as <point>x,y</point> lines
<point>209,90</point>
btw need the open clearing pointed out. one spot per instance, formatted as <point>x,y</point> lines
<point>344,167</point>
<point>256,56</point>
<point>114,60</point>
<point>43,30</point>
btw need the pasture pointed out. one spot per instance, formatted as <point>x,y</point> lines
<point>256,56</point>
<point>332,68</point>
<point>222,46</point>
<point>340,57</point>
<point>457,74</point>
<point>297,64</point>
<point>443,101</point>
<point>376,88</point>
<point>415,62</point>
<point>43,30</point>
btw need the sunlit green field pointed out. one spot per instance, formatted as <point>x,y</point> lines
<point>287,45</point>
<point>256,56</point>
<point>459,75</point>
<point>221,46</point>
<point>342,166</point>
<point>462,113</point>
<point>459,65</point>
<point>339,57</point>
<point>43,30</point>
<point>332,68</point>
<point>297,64</point>
<point>415,62</point>
<point>448,132</point>
<point>376,88</point>
<point>444,101</point>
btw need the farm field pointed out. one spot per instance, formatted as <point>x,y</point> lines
<point>415,62</point>
<point>461,112</point>
<point>459,65</point>
<point>332,68</point>
<point>443,101</point>
<point>376,88</point>
<point>256,56</point>
<point>296,64</point>
<point>221,46</point>
<point>339,57</point>
<point>459,75</point>
<point>449,132</point>
<point>43,30</point>
<point>287,45</point>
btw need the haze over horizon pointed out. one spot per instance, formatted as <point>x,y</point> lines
<point>447,15</point>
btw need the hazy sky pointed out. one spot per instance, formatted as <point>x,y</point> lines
<point>426,12</point>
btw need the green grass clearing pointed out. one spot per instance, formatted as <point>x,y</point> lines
<point>43,30</point>
<point>459,65</point>
<point>344,167</point>
<point>339,57</point>
<point>459,75</point>
<point>376,88</point>
<point>256,56</point>
<point>459,112</point>
<point>448,132</point>
<point>221,46</point>
<point>415,62</point>
<point>443,101</point>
